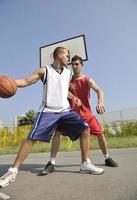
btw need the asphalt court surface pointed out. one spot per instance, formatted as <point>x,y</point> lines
<point>68,183</point>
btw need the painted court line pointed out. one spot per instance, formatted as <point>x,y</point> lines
<point>4,196</point>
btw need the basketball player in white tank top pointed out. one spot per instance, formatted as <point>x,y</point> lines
<point>55,99</point>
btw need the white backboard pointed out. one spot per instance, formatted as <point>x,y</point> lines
<point>76,46</point>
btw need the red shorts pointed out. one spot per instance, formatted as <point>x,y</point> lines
<point>94,125</point>
<point>89,118</point>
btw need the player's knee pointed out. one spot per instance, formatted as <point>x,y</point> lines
<point>86,133</point>
<point>30,142</point>
<point>57,134</point>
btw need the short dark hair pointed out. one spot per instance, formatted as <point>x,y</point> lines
<point>57,51</point>
<point>76,57</point>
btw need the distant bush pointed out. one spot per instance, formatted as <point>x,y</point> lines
<point>122,129</point>
<point>14,137</point>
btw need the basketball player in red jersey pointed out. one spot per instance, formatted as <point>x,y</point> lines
<point>80,87</point>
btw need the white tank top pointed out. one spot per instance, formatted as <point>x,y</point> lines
<point>55,90</point>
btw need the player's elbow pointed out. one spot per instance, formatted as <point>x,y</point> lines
<point>100,92</point>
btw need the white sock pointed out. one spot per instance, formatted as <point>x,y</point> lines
<point>86,161</point>
<point>106,156</point>
<point>13,169</point>
<point>53,160</point>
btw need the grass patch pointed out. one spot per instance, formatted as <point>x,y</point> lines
<point>66,145</point>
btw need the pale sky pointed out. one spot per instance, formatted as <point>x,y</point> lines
<point>110,28</point>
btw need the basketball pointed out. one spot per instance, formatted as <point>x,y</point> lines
<point>7,86</point>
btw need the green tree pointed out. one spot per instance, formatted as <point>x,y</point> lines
<point>27,119</point>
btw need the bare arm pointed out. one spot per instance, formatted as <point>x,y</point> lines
<point>29,80</point>
<point>100,95</point>
<point>74,98</point>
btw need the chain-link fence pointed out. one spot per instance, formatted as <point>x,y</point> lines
<point>119,122</point>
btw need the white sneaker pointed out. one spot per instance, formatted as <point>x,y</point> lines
<point>8,177</point>
<point>88,168</point>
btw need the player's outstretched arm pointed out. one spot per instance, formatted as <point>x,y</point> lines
<point>29,80</point>
<point>100,108</point>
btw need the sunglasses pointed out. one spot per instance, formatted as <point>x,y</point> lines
<point>75,64</point>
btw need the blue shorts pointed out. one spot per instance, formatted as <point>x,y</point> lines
<point>46,124</point>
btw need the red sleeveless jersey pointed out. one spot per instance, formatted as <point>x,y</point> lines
<point>82,91</point>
